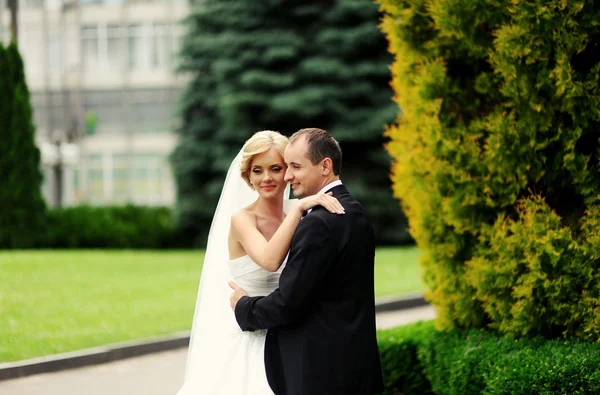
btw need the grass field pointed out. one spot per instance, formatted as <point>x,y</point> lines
<point>58,301</point>
<point>397,271</point>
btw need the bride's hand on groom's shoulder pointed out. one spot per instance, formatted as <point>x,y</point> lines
<point>321,199</point>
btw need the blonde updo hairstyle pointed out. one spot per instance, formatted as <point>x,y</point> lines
<point>259,143</point>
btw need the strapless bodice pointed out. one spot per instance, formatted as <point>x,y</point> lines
<point>253,278</point>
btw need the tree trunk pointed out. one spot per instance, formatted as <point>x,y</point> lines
<point>14,9</point>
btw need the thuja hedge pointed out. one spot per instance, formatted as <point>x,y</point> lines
<point>417,359</point>
<point>129,226</point>
<point>496,159</point>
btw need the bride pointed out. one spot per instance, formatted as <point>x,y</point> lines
<point>248,241</point>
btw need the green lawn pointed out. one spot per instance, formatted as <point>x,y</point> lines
<point>58,301</point>
<point>397,271</point>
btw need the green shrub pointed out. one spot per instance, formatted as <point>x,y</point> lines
<point>416,359</point>
<point>535,277</point>
<point>482,362</point>
<point>402,369</point>
<point>111,227</point>
<point>497,157</point>
<point>553,368</point>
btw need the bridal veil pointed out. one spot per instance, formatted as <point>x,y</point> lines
<point>213,317</point>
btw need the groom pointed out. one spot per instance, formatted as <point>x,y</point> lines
<point>321,319</point>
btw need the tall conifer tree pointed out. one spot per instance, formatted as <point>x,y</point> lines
<point>23,208</point>
<point>285,65</point>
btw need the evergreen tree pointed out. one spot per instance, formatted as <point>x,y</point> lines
<point>285,65</point>
<point>23,208</point>
<point>497,158</point>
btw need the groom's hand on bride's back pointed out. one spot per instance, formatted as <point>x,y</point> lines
<point>237,294</point>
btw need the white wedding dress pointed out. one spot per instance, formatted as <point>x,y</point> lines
<point>222,359</point>
<point>242,356</point>
<point>247,364</point>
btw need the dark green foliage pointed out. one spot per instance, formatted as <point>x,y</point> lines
<point>22,206</point>
<point>133,227</point>
<point>481,362</point>
<point>419,360</point>
<point>403,372</point>
<point>285,65</point>
<point>497,159</point>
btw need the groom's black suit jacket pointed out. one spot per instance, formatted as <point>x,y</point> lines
<point>321,319</point>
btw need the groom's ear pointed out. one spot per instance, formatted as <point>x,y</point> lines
<point>326,167</point>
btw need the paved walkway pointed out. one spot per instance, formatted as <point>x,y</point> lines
<point>155,374</point>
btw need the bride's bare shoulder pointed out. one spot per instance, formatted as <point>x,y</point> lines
<point>243,217</point>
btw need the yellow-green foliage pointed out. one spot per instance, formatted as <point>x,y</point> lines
<point>496,158</point>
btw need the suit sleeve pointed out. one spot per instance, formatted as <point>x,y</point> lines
<point>311,255</point>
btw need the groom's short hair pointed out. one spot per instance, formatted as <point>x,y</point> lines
<point>321,145</point>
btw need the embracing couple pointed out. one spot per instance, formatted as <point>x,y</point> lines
<point>301,271</point>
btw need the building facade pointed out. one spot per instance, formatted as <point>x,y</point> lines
<point>104,93</point>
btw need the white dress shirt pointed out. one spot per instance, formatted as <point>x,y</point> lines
<point>329,186</point>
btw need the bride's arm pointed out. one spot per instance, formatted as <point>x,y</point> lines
<point>270,254</point>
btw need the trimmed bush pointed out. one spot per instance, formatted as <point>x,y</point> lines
<point>402,369</point>
<point>497,159</point>
<point>478,361</point>
<point>111,227</point>
<point>418,360</point>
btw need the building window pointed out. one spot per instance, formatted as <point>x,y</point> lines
<point>153,117</point>
<point>140,46</point>
<point>120,175</point>
<point>95,179</point>
<point>160,46</point>
<point>109,107</point>
<point>54,52</point>
<point>85,3</point>
<point>148,178</point>
<point>115,46</point>
<point>140,178</point>
<point>30,3</point>
<point>137,46</point>
<point>96,186</point>
<point>150,46</point>
<point>90,46</point>
<point>132,111</point>
<point>102,46</point>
